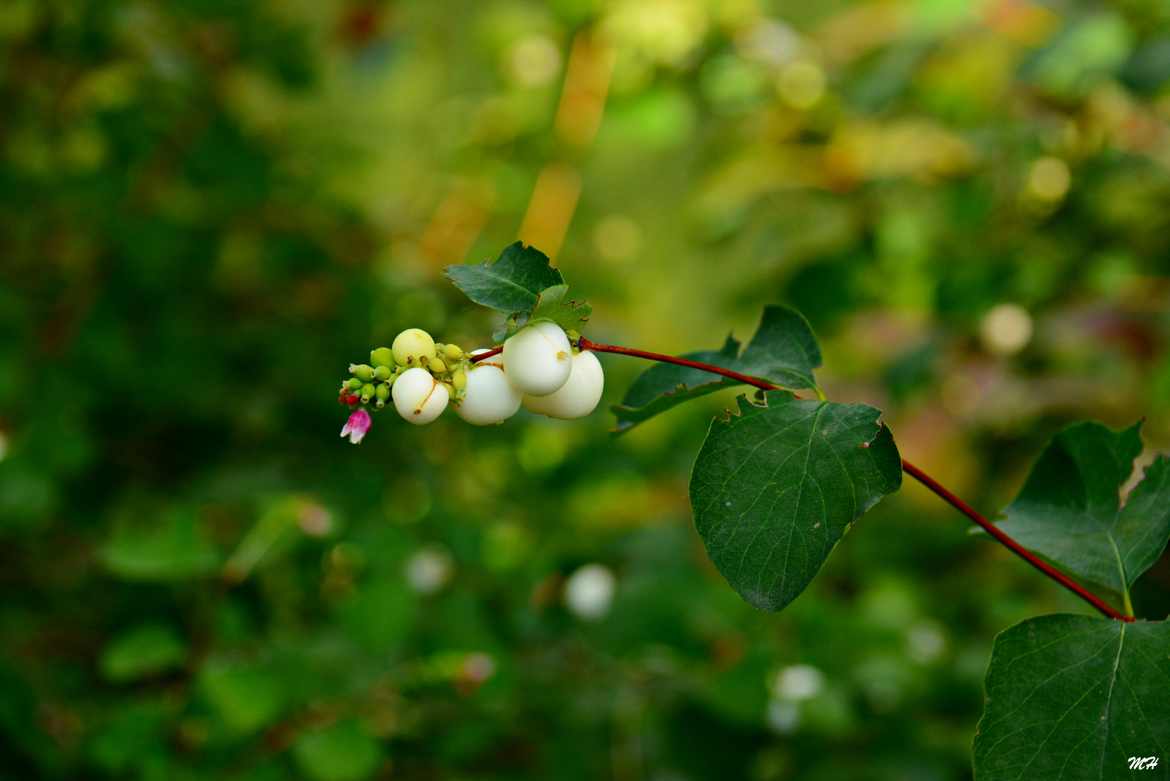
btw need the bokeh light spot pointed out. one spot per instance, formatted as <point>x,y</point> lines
<point>1006,329</point>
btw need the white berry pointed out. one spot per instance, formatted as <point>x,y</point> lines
<point>419,397</point>
<point>577,397</point>
<point>538,359</point>
<point>488,397</point>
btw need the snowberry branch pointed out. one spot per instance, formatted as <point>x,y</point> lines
<point>929,482</point>
<point>586,344</point>
<point>1007,541</point>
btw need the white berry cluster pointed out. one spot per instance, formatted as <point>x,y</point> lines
<point>538,369</point>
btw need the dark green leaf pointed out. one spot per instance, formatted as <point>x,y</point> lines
<point>783,350</point>
<point>665,385</point>
<point>775,487</point>
<point>1069,510</point>
<point>512,283</point>
<point>1074,697</point>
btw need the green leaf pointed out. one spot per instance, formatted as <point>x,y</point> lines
<point>276,530</point>
<point>1073,697</point>
<point>143,651</point>
<point>512,283</point>
<point>554,304</point>
<point>172,549</point>
<point>665,385</point>
<point>132,734</point>
<point>783,350</point>
<point>341,752</point>
<point>775,487</point>
<point>551,304</point>
<point>245,698</point>
<point>1070,511</point>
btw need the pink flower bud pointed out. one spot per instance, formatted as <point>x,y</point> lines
<point>357,426</point>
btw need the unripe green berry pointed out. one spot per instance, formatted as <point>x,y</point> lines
<point>353,384</point>
<point>367,392</point>
<point>383,393</point>
<point>459,379</point>
<point>412,346</point>
<point>382,373</point>
<point>453,351</point>
<point>362,371</point>
<point>383,356</point>
<point>437,366</point>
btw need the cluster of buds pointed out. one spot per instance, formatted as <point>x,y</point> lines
<point>538,368</point>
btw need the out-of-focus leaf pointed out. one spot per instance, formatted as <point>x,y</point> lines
<point>783,350</point>
<point>341,752</point>
<point>1070,511</point>
<point>380,614</point>
<point>274,531</point>
<point>132,737</point>
<point>775,487</point>
<point>145,650</point>
<point>173,549</point>
<point>511,283</point>
<point>1074,697</point>
<point>245,698</point>
<point>1089,50</point>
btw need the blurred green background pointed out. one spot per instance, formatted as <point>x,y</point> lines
<point>211,207</point>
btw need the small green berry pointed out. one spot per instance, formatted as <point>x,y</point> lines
<point>382,356</point>
<point>382,392</point>
<point>412,346</point>
<point>367,392</point>
<point>353,384</point>
<point>459,380</point>
<point>453,351</point>
<point>382,373</point>
<point>362,371</point>
<point>437,366</point>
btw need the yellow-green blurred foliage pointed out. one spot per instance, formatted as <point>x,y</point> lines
<point>210,207</point>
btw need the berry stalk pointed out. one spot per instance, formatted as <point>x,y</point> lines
<point>483,355</point>
<point>926,480</point>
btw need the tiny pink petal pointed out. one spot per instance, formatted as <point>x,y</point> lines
<point>357,426</point>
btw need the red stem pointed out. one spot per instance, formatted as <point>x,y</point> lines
<point>586,344</point>
<point>483,356</point>
<point>939,490</point>
<point>1008,542</point>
